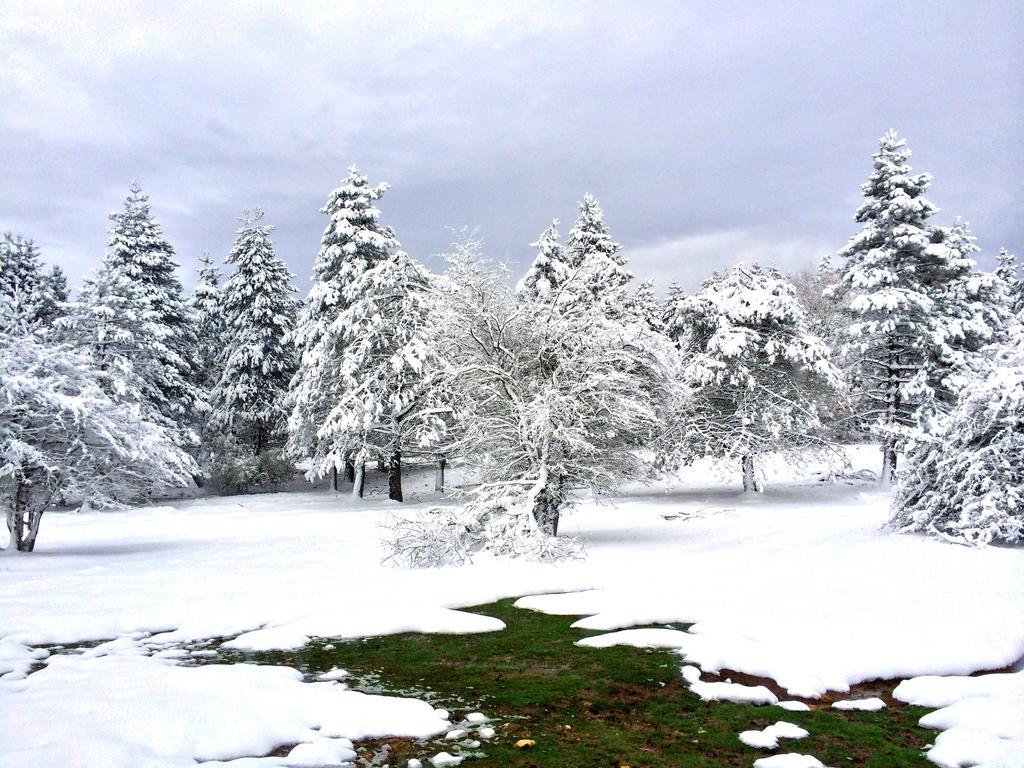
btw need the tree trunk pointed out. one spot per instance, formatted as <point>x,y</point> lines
<point>749,481</point>
<point>381,466</point>
<point>888,463</point>
<point>546,512</point>
<point>350,471</point>
<point>439,474</point>
<point>334,478</point>
<point>359,481</point>
<point>395,476</point>
<point>33,530</point>
<point>16,523</point>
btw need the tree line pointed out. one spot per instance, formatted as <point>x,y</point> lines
<point>575,376</point>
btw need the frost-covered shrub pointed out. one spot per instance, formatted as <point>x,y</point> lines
<point>235,472</point>
<point>963,480</point>
<point>496,520</point>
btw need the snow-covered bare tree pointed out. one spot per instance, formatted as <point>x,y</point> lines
<point>257,361</point>
<point>963,477</point>
<point>385,366</point>
<point>758,377</point>
<point>64,435</point>
<point>815,290</point>
<point>353,242</point>
<point>137,248</point>
<point>547,396</point>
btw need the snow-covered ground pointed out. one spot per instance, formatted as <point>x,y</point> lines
<point>798,584</point>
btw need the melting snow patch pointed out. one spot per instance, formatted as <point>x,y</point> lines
<point>980,717</point>
<point>243,709</point>
<point>789,760</point>
<point>690,673</point>
<point>321,752</point>
<point>443,759</point>
<point>455,733</point>
<point>768,738</point>
<point>794,706</point>
<point>734,692</point>
<point>486,732</point>
<point>333,674</point>
<point>476,717</point>
<point>935,691</point>
<point>640,638</point>
<point>861,705</point>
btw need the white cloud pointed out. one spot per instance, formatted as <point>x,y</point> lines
<point>690,259</point>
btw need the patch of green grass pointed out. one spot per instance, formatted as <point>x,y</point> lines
<point>622,705</point>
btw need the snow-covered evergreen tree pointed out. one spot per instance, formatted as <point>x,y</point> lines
<point>550,268</point>
<point>647,306</point>
<point>596,258</point>
<point>207,312</point>
<point>758,376</point>
<point>258,361</point>
<point>110,323</point>
<point>963,479</point>
<point>912,299</point>
<point>22,297</point>
<point>353,242</point>
<point>54,294</point>
<point>384,364</point>
<point>671,319</point>
<point>969,311</point>
<point>64,435</point>
<point>137,249</point>
<point>1008,271</point>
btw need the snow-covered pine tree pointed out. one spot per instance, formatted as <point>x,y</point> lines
<point>110,323</point>
<point>63,434</point>
<point>258,361</point>
<point>887,297</point>
<point>384,364</point>
<point>208,321</point>
<point>670,317</point>
<point>137,249</point>
<point>550,268</point>
<point>353,242</point>
<point>758,376</point>
<point>1008,271</point>
<point>21,298</point>
<point>963,479</point>
<point>596,259</point>
<point>969,311</point>
<point>54,292</point>
<point>647,306</point>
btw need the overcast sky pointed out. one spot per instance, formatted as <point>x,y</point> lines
<point>710,135</point>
